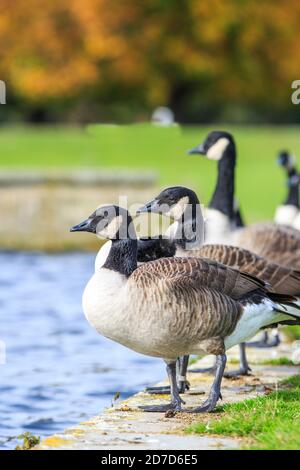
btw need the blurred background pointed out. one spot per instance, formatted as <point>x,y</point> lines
<point>75,61</point>
<point>79,128</point>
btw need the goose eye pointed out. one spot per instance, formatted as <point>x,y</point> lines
<point>105,214</point>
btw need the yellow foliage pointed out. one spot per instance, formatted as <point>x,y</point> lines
<point>238,48</point>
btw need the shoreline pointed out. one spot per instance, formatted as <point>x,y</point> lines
<point>125,427</point>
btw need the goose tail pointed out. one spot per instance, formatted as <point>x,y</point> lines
<point>287,305</point>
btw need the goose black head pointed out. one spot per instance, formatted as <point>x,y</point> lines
<point>110,222</point>
<point>171,202</point>
<point>214,146</point>
<point>286,160</point>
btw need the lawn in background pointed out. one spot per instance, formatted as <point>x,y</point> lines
<point>260,182</point>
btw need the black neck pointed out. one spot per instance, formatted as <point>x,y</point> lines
<point>190,230</point>
<point>223,197</point>
<point>238,219</point>
<point>293,192</point>
<point>122,256</point>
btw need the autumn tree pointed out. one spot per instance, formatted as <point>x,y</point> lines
<point>199,57</point>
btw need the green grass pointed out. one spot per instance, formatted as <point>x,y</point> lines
<point>292,332</point>
<point>280,361</point>
<point>260,182</point>
<point>269,422</point>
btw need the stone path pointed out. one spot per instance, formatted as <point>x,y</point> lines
<point>125,427</point>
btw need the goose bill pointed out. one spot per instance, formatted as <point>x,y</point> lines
<point>199,150</point>
<point>152,206</point>
<point>82,227</point>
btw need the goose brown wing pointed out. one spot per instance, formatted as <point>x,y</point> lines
<point>281,279</point>
<point>289,259</point>
<point>277,243</point>
<point>198,272</point>
<point>200,296</point>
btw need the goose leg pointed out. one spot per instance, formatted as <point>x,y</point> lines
<point>176,401</point>
<point>244,368</point>
<point>276,339</point>
<point>264,342</point>
<point>183,384</point>
<point>215,391</point>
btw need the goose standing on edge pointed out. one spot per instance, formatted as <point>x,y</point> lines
<point>173,307</point>
<point>188,238</point>
<point>287,212</point>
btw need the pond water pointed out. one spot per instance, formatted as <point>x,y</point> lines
<point>58,370</point>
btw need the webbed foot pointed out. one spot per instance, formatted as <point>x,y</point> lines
<point>237,373</point>
<point>172,406</point>
<point>166,390</point>
<point>215,391</point>
<point>208,406</point>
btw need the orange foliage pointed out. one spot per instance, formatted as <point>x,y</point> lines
<point>235,49</point>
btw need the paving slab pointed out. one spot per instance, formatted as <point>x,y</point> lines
<point>124,426</point>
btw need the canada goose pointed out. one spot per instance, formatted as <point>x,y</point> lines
<point>150,249</point>
<point>187,221</point>
<point>286,213</point>
<point>219,214</point>
<point>173,307</point>
<point>188,240</point>
<point>279,244</point>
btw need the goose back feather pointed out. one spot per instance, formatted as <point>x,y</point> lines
<point>278,243</point>
<point>200,271</point>
<point>281,279</point>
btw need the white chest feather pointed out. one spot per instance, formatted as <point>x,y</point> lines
<point>102,301</point>
<point>218,228</point>
<point>115,309</point>
<point>102,255</point>
<point>296,221</point>
<point>182,253</point>
<point>286,214</point>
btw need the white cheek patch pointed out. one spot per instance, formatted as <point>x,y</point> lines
<point>291,162</point>
<point>178,209</point>
<point>215,152</point>
<point>170,233</point>
<point>112,229</point>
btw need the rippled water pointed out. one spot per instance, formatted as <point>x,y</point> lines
<point>58,370</point>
